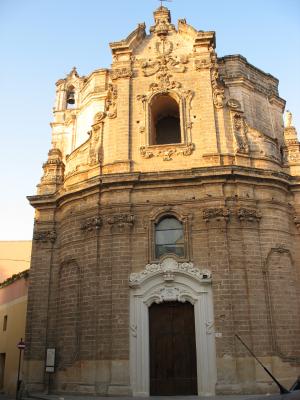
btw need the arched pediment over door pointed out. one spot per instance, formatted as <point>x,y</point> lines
<point>171,281</point>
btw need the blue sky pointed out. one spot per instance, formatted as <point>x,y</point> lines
<point>41,40</point>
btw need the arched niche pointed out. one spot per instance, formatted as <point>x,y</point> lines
<point>165,126</point>
<point>171,281</point>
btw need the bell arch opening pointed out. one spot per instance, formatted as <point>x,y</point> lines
<point>165,120</point>
<point>70,100</point>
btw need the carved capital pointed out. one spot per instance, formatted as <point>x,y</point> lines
<point>44,236</point>
<point>91,224</point>
<point>218,214</point>
<point>248,214</point>
<point>121,73</point>
<point>121,220</point>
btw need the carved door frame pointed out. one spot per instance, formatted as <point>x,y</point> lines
<point>171,281</point>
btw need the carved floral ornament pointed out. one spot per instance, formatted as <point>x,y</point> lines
<point>121,220</point>
<point>168,152</point>
<point>219,214</point>
<point>118,73</point>
<point>223,214</point>
<point>45,236</point>
<point>168,268</point>
<point>90,224</point>
<point>95,223</point>
<point>250,215</point>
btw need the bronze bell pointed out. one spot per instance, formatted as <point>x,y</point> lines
<point>71,98</point>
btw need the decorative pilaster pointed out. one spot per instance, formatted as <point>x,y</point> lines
<point>120,226</point>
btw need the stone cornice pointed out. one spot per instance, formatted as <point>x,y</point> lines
<point>132,40</point>
<point>131,180</point>
<point>243,60</point>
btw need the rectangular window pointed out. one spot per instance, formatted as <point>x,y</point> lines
<point>5,322</point>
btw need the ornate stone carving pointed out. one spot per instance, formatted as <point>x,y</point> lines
<point>99,117</point>
<point>240,133</point>
<point>168,268</point>
<point>121,73</point>
<point>203,63</point>
<point>218,86</point>
<point>169,294</point>
<point>167,152</point>
<point>111,101</point>
<point>219,214</point>
<point>133,330</point>
<point>45,236</point>
<point>163,66</point>
<point>297,221</point>
<point>90,224</point>
<point>234,104</point>
<point>121,220</point>
<point>248,214</point>
<point>210,327</point>
<point>163,24</point>
<point>95,138</point>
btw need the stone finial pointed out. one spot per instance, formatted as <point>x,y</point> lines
<point>162,14</point>
<point>162,18</point>
<point>288,119</point>
<point>73,72</point>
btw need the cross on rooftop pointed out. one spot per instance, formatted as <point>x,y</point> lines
<point>161,2</point>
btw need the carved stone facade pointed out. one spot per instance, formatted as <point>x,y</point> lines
<point>230,178</point>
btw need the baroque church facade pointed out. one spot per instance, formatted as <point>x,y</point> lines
<point>167,221</point>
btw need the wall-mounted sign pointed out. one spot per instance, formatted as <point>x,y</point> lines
<point>50,360</point>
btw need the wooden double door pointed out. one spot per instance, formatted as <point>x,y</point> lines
<point>173,365</point>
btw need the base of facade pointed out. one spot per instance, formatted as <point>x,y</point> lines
<point>236,376</point>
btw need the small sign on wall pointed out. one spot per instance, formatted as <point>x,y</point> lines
<point>50,360</point>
